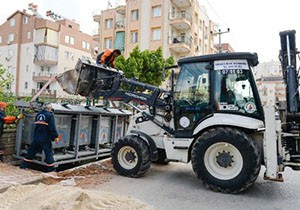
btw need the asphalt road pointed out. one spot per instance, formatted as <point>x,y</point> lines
<point>175,186</point>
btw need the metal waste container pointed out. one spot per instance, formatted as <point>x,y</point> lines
<point>28,128</point>
<point>119,129</point>
<point>63,126</point>
<point>105,130</point>
<point>85,130</point>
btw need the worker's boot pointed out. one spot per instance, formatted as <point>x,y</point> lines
<point>23,165</point>
<point>50,169</point>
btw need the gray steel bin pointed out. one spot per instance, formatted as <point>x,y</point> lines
<point>28,128</point>
<point>85,130</point>
<point>63,126</point>
<point>105,130</point>
<point>119,129</point>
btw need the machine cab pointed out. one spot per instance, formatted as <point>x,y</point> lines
<point>219,83</point>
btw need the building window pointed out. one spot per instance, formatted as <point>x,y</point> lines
<point>156,34</point>
<point>134,37</point>
<point>9,69</point>
<point>72,56</point>
<point>10,53</point>
<point>134,15</point>
<point>25,20</point>
<point>83,44</point>
<point>108,43</point>
<point>11,37</point>
<point>27,68</point>
<point>88,46</point>
<point>67,55</point>
<point>12,22</point>
<point>173,12</point>
<point>26,85</point>
<point>28,35</point>
<point>0,39</point>
<point>67,39</point>
<point>109,23</point>
<point>72,40</point>
<point>156,11</point>
<point>28,51</point>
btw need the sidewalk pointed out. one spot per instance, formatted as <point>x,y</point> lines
<point>12,175</point>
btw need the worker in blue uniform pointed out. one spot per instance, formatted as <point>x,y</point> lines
<point>44,133</point>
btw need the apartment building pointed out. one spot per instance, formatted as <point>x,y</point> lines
<point>270,82</point>
<point>33,49</point>
<point>180,27</point>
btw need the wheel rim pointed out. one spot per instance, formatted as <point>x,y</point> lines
<point>127,157</point>
<point>223,160</point>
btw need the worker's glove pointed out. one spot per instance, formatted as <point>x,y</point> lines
<point>56,140</point>
<point>20,116</point>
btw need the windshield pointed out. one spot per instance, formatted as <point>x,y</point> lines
<point>233,90</point>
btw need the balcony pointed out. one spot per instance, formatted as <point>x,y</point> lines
<point>182,3</point>
<point>45,94</point>
<point>120,25</point>
<point>41,76</point>
<point>181,20</point>
<point>180,44</point>
<point>121,10</point>
<point>97,15</point>
<point>96,35</point>
<point>46,55</point>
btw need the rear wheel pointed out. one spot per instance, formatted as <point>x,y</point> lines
<point>131,156</point>
<point>226,160</point>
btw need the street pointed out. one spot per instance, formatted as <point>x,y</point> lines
<point>175,186</point>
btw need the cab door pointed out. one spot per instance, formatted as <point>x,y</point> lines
<point>191,97</point>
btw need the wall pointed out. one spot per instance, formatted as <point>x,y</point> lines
<point>9,141</point>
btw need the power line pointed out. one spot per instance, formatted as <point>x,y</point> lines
<point>216,13</point>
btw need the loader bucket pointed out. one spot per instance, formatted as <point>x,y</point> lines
<point>68,81</point>
<point>88,78</point>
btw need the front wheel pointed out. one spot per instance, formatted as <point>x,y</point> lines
<point>131,156</point>
<point>226,160</point>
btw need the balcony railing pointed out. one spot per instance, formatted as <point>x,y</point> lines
<point>46,93</point>
<point>96,34</point>
<point>120,25</point>
<point>182,3</point>
<point>181,44</point>
<point>97,15</point>
<point>42,76</point>
<point>181,20</point>
<point>46,55</point>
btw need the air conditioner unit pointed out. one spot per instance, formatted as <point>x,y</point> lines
<point>9,42</point>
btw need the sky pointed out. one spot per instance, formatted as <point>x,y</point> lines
<point>254,24</point>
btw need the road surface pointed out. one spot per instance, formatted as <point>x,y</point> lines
<point>175,186</point>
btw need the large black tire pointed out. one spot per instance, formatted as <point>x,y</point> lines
<point>131,156</point>
<point>226,160</point>
<point>162,157</point>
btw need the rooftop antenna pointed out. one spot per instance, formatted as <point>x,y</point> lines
<point>33,7</point>
<point>109,5</point>
<point>54,16</point>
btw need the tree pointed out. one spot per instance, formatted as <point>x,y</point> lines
<point>5,94</point>
<point>146,66</point>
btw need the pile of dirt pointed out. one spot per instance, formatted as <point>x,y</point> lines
<point>84,176</point>
<point>56,197</point>
<point>68,190</point>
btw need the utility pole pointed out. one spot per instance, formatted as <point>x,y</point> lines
<point>219,33</point>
